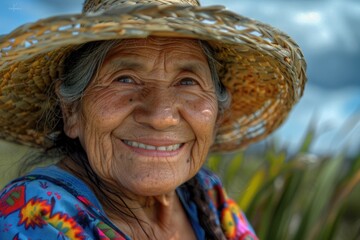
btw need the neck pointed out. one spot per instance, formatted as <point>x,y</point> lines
<point>148,217</point>
<point>140,217</point>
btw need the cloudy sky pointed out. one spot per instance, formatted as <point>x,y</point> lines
<point>328,32</point>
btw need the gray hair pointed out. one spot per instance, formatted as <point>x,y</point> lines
<point>83,63</point>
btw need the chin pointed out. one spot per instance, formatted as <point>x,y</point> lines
<point>153,184</point>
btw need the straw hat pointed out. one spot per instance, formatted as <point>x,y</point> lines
<point>263,68</point>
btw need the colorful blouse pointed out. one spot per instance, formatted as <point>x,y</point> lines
<point>50,203</point>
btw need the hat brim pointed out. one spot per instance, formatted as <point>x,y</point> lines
<point>263,69</point>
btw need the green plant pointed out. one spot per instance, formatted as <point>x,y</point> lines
<point>296,197</point>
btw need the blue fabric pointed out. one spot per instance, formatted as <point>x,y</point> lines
<point>50,203</point>
<point>191,211</point>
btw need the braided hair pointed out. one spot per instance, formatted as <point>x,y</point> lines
<point>207,218</point>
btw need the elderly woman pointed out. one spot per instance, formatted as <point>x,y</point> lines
<point>130,97</point>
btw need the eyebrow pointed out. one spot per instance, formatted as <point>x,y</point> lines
<point>193,66</point>
<point>125,63</point>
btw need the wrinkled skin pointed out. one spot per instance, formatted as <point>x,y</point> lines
<point>157,92</point>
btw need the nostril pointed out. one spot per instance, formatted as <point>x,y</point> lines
<point>157,117</point>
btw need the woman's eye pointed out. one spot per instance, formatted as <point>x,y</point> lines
<point>125,79</point>
<point>188,82</point>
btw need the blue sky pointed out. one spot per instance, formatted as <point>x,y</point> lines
<point>328,32</point>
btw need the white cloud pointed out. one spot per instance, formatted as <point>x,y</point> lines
<point>317,25</point>
<point>311,17</point>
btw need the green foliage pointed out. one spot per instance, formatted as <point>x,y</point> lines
<point>296,197</point>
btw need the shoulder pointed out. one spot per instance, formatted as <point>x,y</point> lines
<point>208,179</point>
<point>38,188</point>
<point>212,185</point>
<point>232,219</point>
<point>29,194</point>
<point>34,206</point>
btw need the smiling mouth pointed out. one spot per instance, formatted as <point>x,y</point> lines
<point>167,148</point>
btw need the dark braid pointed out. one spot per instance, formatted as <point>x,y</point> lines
<point>206,216</point>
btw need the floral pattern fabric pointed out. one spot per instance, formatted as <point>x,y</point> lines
<point>50,203</point>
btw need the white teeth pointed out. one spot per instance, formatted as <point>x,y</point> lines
<point>150,147</point>
<point>161,148</point>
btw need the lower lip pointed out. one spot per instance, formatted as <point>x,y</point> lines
<point>155,153</point>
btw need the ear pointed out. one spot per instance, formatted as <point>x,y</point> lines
<point>70,114</point>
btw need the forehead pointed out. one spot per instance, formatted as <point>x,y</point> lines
<point>151,47</point>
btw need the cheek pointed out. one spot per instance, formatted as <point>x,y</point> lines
<point>106,109</point>
<point>101,114</point>
<point>201,115</point>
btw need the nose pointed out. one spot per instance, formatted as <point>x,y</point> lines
<point>158,110</point>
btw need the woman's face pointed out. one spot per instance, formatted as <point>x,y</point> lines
<point>147,119</point>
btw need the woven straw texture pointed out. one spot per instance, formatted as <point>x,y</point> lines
<point>263,68</point>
